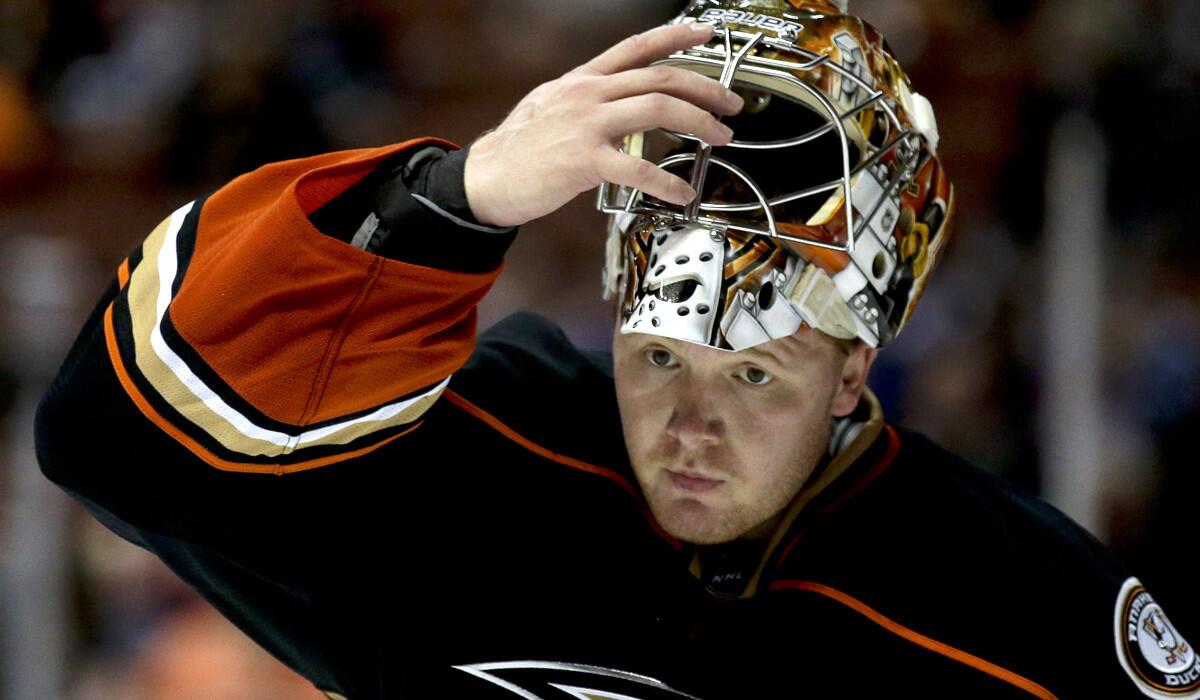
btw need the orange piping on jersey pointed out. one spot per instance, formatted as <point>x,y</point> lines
<point>917,638</point>
<point>881,466</point>
<point>537,449</point>
<point>114,355</point>
<point>123,273</point>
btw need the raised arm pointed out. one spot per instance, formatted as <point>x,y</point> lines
<point>300,323</point>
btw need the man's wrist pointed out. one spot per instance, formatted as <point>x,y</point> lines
<point>439,182</point>
<point>476,192</point>
<point>424,217</point>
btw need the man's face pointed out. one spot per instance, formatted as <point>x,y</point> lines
<point>722,441</point>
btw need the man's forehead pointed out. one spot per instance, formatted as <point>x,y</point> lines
<point>802,344</point>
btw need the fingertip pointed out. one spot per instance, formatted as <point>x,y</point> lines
<point>701,34</point>
<point>689,33</point>
<point>735,101</point>
<point>724,135</point>
<point>684,195</point>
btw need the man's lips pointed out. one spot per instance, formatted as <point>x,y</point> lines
<point>692,482</point>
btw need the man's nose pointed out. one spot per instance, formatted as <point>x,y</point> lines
<point>695,421</point>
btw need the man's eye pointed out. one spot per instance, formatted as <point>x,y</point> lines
<point>755,376</point>
<point>660,358</point>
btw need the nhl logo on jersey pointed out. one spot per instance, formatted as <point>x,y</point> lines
<point>549,680</point>
<point>1159,660</point>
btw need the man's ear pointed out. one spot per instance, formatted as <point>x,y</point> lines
<point>854,378</point>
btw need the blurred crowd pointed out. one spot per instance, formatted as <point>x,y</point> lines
<point>113,112</point>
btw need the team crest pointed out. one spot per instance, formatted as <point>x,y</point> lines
<point>1160,661</point>
<point>548,680</point>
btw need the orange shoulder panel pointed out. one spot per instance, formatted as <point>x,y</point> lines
<point>307,328</point>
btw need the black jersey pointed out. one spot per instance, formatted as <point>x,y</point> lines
<point>310,435</point>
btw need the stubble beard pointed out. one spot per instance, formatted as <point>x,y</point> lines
<point>706,520</point>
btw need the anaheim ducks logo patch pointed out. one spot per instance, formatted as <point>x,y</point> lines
<point>1159,660</point>
<point>548,680</point>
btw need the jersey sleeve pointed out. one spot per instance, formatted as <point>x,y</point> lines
<point>261,344</point>
<point>228,403</point>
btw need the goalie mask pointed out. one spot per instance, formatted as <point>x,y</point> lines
<point>828,209</point>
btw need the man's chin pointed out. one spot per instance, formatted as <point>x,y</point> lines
<point>692,521</point>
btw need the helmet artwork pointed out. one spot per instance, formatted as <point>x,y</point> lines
<point>828,209</point>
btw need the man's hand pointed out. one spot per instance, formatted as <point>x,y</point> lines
<point>563,138</point>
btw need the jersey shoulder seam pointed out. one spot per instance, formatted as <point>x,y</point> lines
<point>1034,689</point>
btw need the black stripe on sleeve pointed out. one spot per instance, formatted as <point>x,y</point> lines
<point>185,243</point>
<point>170,414</point>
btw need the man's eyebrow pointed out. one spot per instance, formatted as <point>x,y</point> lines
<point>763,353</point>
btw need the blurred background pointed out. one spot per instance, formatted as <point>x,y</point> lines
<point>1058,345</point>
